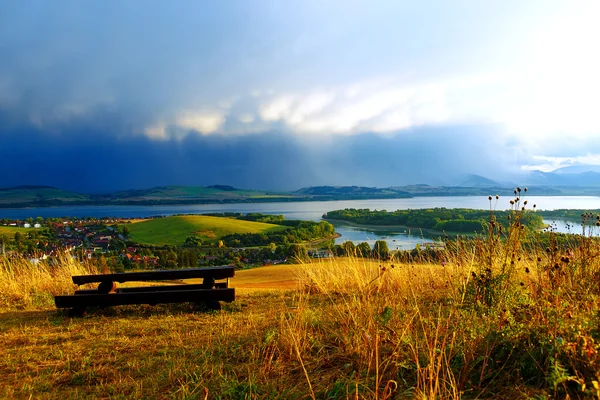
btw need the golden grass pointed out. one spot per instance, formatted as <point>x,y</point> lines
<point>350,329</point>
<point>26,285</point>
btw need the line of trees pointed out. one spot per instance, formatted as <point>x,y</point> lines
<point>462,220</point>
<point>298,231</point>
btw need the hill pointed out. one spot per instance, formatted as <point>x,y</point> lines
<point>215,193</point>
<point>350,193</point>
<point>38,196</point>
<point>173,231</point>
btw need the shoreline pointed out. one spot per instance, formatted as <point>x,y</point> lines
<point>430,232</point>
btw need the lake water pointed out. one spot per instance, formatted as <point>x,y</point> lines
<point>315,209</point>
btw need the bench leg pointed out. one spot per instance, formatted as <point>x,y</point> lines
<point>107,287</point>
<point>208,283</point>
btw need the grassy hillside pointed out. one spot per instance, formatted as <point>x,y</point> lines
<point>472,327</point>
<point>11,230</point>
<point>217,192</point>
<point>504,315</point>
<point>174,230</point>
<point>38,195</point>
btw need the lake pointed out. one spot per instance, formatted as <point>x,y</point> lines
<point>313,210</point>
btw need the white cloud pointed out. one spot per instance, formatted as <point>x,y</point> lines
<point>199,121</point>
<point>370,106</point>
<point>203,122</point>
<point>157,131</point>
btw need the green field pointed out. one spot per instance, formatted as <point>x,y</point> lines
<point>11,230</point>
<point>193,192</point>
<point>173,231</point>
<point>32,194</point>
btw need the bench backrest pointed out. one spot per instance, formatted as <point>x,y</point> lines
<point>169,274</point>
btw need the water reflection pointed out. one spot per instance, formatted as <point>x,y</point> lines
<point>562,226</point>
<point>397,239</point>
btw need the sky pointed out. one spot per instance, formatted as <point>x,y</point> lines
<point>106,95</point>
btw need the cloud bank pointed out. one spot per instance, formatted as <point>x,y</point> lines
<point>107,94</point>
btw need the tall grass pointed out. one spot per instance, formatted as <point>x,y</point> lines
<point>507,314</point>
<point>26,285</point>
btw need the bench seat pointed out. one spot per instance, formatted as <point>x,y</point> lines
<point>187,273</point>
<point>149,295</point>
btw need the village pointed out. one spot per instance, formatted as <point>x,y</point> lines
<point>105,240</point>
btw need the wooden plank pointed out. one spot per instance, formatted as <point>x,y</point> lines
<point>147,297</point>
<point>146,289</point>
<point>214,272</point>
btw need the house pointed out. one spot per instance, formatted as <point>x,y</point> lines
<point>320,254</point>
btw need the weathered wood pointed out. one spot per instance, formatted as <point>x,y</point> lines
<point>188,273</point>
<point>107,287</point>
<point>139,289</point>
<point>149,296</point>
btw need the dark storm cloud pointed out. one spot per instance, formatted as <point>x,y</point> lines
<point>106,95</point>
<point>83,158</point>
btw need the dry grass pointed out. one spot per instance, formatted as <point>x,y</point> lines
<point>27,285</point>
<point>496,319</point>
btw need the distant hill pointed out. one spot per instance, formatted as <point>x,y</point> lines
<point>350,192</point>
<point>38,196</point>
<point>563,178</point>
<point>472,180</point>
<point>540,183</point>
<point>577,169</point>
<point>191,194</point>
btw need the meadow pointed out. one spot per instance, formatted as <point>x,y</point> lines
<point>11,230</point>
<point>173,231</point>
<point>502,315</point>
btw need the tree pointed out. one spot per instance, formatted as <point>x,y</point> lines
<point>363,250</point>
<point>297,251</point>
<point>381,250</point>
<point>348,248</point>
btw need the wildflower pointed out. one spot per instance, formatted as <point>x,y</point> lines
<point>497,197</point>
<point>526,270</point>
<point>490,197</point>
<point>518,189</point>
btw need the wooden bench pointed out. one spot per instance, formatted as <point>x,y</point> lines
<point>107,294</point>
